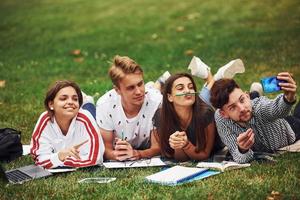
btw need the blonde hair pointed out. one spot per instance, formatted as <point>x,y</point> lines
<point>122,65</point>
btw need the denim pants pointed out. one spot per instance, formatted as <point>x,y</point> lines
<point>91,108</point>
<point>204,95</point>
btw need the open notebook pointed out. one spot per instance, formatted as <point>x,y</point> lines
<point>176,175</point>
<point>223,166</point>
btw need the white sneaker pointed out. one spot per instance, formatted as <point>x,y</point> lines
<point>198,68</point>
<point>162,79</point>
<point>230,69</point>
<point>87,98</point>
<point>256,86</point>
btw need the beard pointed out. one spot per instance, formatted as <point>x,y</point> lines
<point>245,116</point>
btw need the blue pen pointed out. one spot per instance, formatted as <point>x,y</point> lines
<point>122,134</point>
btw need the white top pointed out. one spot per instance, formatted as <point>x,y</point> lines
<point>111,117</point>
<point>47,140</point>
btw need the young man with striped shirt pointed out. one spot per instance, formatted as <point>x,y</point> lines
<point>247,126</point>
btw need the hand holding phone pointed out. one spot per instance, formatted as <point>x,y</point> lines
<point>289,87</point>
<point>271,84</point>
<point>283,81</point>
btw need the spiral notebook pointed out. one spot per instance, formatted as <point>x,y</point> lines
<point>175,175</point>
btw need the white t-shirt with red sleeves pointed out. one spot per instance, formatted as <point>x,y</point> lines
<point>110,116</point>
<point>47,140</point>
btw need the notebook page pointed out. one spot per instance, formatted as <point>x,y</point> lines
<point>175,175</point>
<point>153,162</point>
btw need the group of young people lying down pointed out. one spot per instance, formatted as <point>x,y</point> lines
<point>170,117</point>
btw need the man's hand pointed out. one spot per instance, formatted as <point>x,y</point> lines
<point>289,87</point>
<point>178,140</point>
<point>73,152</point>
<point>245,140</point>
<point>123,150</point>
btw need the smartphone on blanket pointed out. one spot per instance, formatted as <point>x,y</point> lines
<point>271,84</point>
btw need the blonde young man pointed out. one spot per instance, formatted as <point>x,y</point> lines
<point>125,113</point>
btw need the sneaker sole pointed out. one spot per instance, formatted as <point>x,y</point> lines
<point>195,64</point>
<point>236,67</point>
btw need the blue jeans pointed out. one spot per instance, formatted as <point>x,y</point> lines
<point>91,108</point>
<point>204,94</point>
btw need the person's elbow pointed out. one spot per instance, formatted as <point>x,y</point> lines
<point>206,156</point>
<point>242,159</point>
<point>203,155</point>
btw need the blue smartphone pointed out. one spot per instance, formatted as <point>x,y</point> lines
<point>271,84</point>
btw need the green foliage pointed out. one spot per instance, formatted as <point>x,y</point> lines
<point>36,38</point>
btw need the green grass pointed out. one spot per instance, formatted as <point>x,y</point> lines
<point>36,38</point>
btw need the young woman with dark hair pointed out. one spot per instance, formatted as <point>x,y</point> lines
<point>185,123</point>
<point>65,134</point>
<point>187,129</point>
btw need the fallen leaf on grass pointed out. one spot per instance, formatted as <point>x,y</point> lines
<point>79,59</point>
<point>189,52</point>
<point>269,198</point>
<point>2,83</point>
<point>75,52</point>
<point>274,196</point>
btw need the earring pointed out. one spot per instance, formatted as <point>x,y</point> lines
<point>51,108</point>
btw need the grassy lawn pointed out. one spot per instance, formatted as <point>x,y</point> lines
<point>36,38</point>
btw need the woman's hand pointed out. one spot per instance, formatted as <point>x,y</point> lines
<point>70,152</point>
<point>178,140</point>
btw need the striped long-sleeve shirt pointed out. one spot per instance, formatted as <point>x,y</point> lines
<point>47,140</point>
<point>271,131</point>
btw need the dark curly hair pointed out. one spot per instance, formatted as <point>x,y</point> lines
<point>220,92</point>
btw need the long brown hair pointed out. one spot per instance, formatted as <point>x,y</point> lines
<point>169,118</point>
